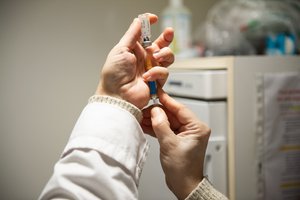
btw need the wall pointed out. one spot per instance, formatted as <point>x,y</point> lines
<point>51,53</point>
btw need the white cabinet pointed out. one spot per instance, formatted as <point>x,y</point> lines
<point>231,161</point>
<point>201,84</point>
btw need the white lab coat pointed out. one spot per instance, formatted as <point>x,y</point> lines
<point>103,158</point>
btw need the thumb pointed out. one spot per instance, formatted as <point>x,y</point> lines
<point>160,124</point>
<point>132,35</point>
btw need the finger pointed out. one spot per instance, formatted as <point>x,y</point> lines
<point>164,57</point>
<point>152,18</point>
<point>183,114</point>
<point>132,35</point>
<point>147,127</point>
<point>170,103</point>
<point>146,123</point>
<point>161,125</point>
<point>157,73</point>
<point>165,39</point>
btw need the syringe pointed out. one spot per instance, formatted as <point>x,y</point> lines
<point>146,42</point>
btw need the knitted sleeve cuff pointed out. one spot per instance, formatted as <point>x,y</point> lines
<point>136,112</point>
<point>205,191</point>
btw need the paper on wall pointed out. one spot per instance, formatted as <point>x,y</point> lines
<point>278,131</point>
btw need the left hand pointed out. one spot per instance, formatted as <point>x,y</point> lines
<point>122,74</point>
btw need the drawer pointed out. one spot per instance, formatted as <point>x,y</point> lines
<point>201,84</point>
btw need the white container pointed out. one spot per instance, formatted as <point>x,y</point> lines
<point>200,84</point>
<point>177,16</point>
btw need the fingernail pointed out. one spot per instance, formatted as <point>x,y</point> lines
<point>146,76</point>
<point>156,55</point>
<point>156,110</point>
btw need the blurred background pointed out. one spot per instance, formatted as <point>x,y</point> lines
<point>51,53</point>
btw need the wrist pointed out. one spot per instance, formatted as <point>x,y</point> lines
<point>136,112</point>
<point>102,92</point>
<point>205,190</point>
<point>186,189</point>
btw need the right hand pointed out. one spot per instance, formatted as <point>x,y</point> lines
<point>183,140</point>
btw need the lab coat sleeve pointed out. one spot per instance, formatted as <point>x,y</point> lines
<point>103,158</point>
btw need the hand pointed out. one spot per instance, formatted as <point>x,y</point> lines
<point>183,140</point>
<point>122,73</point>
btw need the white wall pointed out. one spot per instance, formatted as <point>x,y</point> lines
<point>51,53</point>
